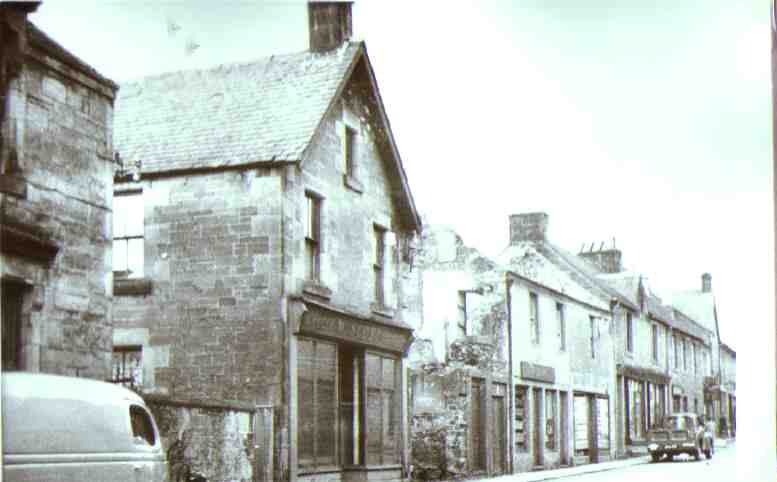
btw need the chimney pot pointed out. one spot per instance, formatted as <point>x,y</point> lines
<point>330,24</point>
<point>607,260</point>
<point>706,283</point>
<point>528,227</point>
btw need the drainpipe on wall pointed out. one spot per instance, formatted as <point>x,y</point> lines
<point>511,384</point>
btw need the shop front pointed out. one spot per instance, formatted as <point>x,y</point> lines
<point>349,401</point>
<point>644,402</point>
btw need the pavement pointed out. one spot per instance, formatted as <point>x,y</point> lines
<point>554,474</point>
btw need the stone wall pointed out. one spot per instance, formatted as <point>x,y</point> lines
<point>56,195</point>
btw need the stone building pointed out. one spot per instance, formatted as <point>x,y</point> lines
<point>700,306</point>
<point>659,353</point>
<point>560,320</point>
<point>263,252</point>
<point>728,376</point>
<point>56,189</point>
<point>459,404</point>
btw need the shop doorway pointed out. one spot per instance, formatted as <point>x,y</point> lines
<point>478,425</point>
<point>537,426</point>
<point>564,422</point>
<point>499,431</point>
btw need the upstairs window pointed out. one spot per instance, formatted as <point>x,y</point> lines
<point>562,326</point>
<point>349,151</point>
<point>685,354</point>
<point>378,263</point>
<point>534,317</point>
<point>676,344</point>
<point>128,234</point>
<point>693,358</point>
<point>654,342</point>
<point>313,237</point>
<point>592,324</point>
<point>629,333</point>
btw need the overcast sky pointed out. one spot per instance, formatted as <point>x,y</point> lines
<point>647,122</point>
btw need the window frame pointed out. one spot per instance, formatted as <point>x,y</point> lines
<point>127,378</point>
<point>562,325</point>
<point>313,210</point>
<point>654,342</point>
<point>379,264</point>
<point>534,317</point>
<point>125,238</point>
<point>349,150</point>
<point>629,332</point>
<point>592,323</point>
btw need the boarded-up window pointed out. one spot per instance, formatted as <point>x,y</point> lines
<point>521,419</point>
<point>317,417</point>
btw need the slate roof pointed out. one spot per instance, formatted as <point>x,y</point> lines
<point>266,110</point>
<point>698,305</point>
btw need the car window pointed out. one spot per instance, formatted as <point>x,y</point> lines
<point>142,427</point>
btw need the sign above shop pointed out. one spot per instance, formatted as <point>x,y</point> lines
<point>540,373</point>
<point>318,321</point>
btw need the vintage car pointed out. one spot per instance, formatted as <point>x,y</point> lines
<point>682,433</point>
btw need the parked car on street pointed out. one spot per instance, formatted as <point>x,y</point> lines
<point>682,433</point>
<point>67,429</point>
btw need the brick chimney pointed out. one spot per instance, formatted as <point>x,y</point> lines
<point>607,260</point>
<point>528,227</point>
<point>330,24</point>
<point>706,283</point>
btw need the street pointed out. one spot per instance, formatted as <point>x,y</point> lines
<point>721,468</point>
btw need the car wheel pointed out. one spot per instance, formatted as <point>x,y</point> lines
<point>708,454</point>
<point>697,453</point>
<point>669,456</point>
<point>655,457</point>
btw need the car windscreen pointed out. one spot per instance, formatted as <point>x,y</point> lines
<point>678,423</point>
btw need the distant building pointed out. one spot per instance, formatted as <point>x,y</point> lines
<point>56,190</point>
<point>265,262</point>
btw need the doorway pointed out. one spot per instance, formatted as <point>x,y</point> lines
<point>537,426</point>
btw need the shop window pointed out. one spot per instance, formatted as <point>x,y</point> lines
<point>313,237</point>
<point>127,365</point>
<point>603,423</point>
<point>12,299</point>
<point>521,419</point>
<point>562,326</point>
<point>378,264</point>
<point>317,397</point>
<point>534,317</point>
<point>635,409</point>
<point>382,410</point>
<point>128,250</point>
<point>550,419</point>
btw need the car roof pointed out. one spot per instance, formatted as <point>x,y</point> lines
<point>22,384</point>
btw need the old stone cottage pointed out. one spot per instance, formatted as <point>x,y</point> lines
<point>56,187</point>
<point>263,256</point>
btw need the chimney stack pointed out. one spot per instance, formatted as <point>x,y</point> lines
<point>706,283</point>
<point>528,227</point>
<point>330,24</point>
<point>607,260</point>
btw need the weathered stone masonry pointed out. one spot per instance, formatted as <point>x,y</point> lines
<point>56,175</point>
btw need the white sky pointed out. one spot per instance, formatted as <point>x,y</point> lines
<point>647,124</point>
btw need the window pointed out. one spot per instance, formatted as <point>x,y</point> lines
<point>693,358</point>
<point>550,419</point>
<point>592,323</point>
<point>313,237</point>
<point>521,419</point>
<point>462,322</point>
<point>11,316</point>
<point>654,339</point>
<point>382,410</point>
<point>128,234</point>
<point>635,409</point>
<point>316,410</point>
<point>380,250</point>
<point>127,365</point>
<point>676,344</point>
<point>562,328</point>
<point>349,151</point>
<point>685,354</point>
<point>629,332</point>
<point>534,317</point>
<point>142,427</point>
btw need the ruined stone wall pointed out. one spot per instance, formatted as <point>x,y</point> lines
<point>56,195</point>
